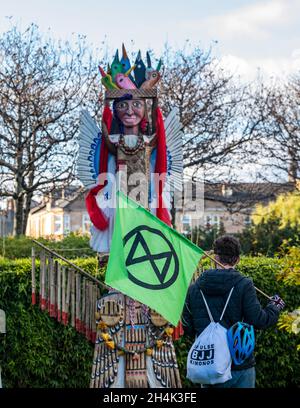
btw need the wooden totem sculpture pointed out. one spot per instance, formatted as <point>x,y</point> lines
<point>134,346</point>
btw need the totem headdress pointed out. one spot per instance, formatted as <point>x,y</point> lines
<point>123,81</point>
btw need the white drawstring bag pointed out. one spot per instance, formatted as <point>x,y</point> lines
<point>209,359</point>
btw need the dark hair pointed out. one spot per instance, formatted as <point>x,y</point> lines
<point>228,249</point>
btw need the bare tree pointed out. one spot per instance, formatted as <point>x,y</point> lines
<point>278,132</point>
<point>43,84</point>
<point>212,107</point>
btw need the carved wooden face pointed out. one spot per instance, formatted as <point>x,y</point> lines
<point>131,112</point>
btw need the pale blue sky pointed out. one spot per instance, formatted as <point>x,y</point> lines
<point>250,33</point>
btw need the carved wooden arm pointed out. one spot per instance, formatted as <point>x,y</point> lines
<point>111,147</point>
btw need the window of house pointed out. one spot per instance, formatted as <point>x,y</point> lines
<point>58,224</point>
<point>216,220</point>
<point>86,223</point>
<point>208,222</point>
<point>186,223</point>
<point>212,221</point>
<point>186,219</point>
<point>67,224</point>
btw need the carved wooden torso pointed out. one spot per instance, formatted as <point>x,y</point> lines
<point>136,349</point>
<point>133,161</point>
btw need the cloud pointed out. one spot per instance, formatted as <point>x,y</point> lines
<point>266,67</point>
<point>264,35</point>
<point>254,21</point>
<point>296,53</point>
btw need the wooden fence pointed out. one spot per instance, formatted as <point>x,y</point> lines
<point>66,292</point>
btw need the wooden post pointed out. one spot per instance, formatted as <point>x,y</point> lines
<point>92,314</point>
<point>43,280</point>
<point>33,284</point>
<point>78,303</point>
<point>63,295</point>
<point>53,302</point>
<point>87,309</point>
<point>91,307</point>
<point>83,306</point>
<point>72,272</point>
<point>68,295</point>
<point>49,275</point>
<point>51,287</point>
<point>93,317</point>
<point>46,281</point>
<point>58,293</point>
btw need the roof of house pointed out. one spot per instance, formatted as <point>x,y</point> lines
<point>60,199</point>
<point>245,192</point>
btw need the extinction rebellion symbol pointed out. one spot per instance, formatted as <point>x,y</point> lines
<point>151,261</point>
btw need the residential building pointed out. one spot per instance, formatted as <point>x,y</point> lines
<point>229,204</point>
<point>59,215</point>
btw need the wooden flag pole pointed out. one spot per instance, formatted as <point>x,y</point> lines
<point>223,266</point>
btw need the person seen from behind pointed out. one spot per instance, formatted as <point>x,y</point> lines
<point>244,306</point>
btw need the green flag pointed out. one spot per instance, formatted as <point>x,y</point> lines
<point>149,261</point>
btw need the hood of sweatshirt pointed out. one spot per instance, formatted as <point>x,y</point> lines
<point>218,281</point>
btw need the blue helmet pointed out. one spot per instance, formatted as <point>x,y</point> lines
<point>241,342</point>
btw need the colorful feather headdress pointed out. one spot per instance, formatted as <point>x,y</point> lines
<point>121,75</point>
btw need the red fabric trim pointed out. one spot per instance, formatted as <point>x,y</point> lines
<point>107,118</point>
<point>93,337</point>
<point>78,324</point>
<point>178,331</point>
<point>161,166</point>
<point>96,214</point>
<point>65,318</point>
<point>43,304</point>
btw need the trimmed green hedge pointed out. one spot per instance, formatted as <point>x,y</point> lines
<point>37,351</point>
<point>40,352</point>
<point>71,246</point>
